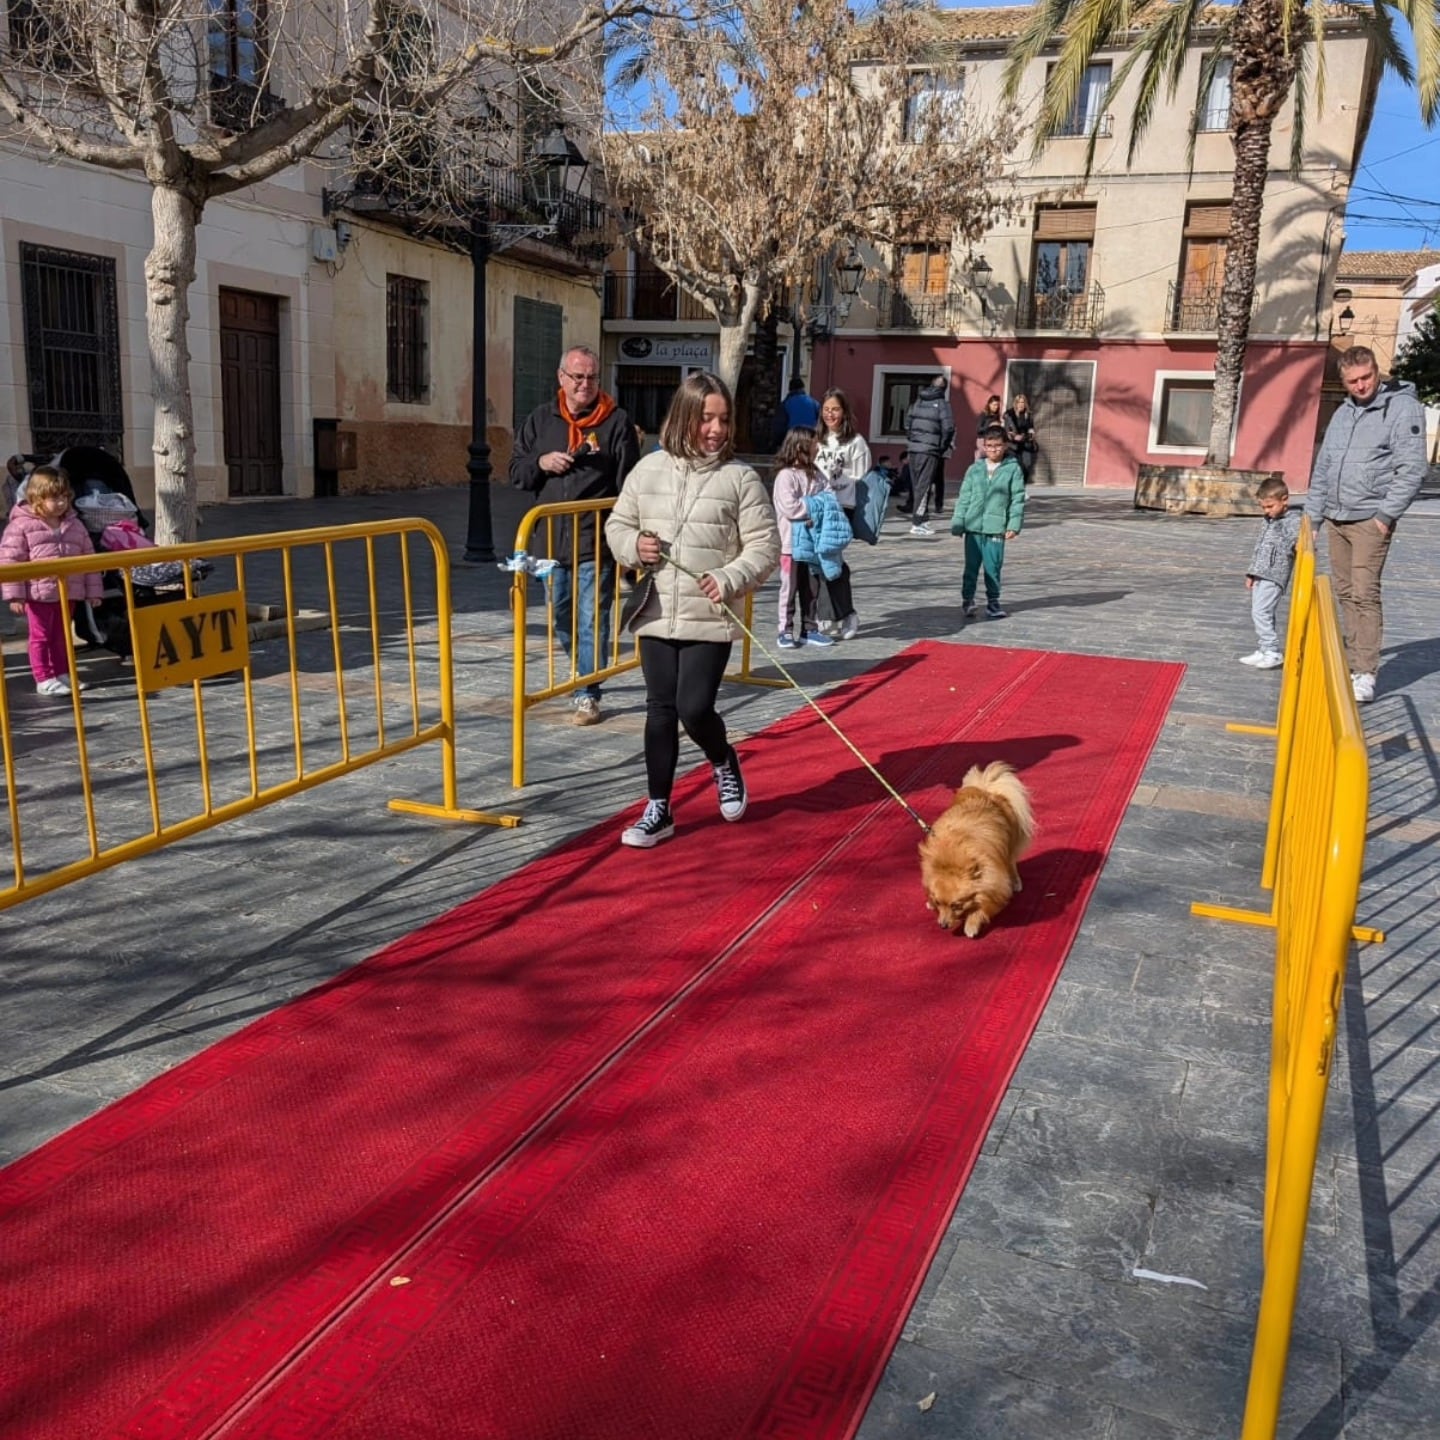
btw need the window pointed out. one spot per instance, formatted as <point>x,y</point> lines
<point>1202,267</point>
<point>239,62</point>
<point>923,269</point>
<point>1215,112</point>
<point>1183,418</point>
<point>1064,239</point>
<point>934,107</point>
<point>1087,113</point>
<point>407,304</point>
<point>538,345</point>
<point>893,391</point>
<point>72,348</point>
<point>41,39</point>
<point>539,114</point>
<point>408,48</point>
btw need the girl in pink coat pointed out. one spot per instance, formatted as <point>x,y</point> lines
<point>44,526</point>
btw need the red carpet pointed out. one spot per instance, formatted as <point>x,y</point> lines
<point>655,1143</point>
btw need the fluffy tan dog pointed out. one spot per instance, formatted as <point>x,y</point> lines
<point>967,861</point>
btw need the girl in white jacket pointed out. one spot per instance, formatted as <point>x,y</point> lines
<point>690,501</point>
<point>843,458</point>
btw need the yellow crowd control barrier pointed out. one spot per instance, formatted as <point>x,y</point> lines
<point>1319,855</point>
<point>554,532</point>
<point>158,754</point>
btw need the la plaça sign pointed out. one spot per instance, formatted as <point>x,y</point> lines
<point>186,640</point>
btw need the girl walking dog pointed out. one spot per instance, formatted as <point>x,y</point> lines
<point>692,503</point>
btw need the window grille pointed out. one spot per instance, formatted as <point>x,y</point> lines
<point>407,303</point>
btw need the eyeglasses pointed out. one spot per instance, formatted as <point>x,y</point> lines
<point>591,377</point>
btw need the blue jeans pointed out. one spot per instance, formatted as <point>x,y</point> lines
<point>1264,602</point>
<point>584,658</point>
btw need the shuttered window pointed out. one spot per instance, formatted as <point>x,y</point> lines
<point>924,269</point>
<point>1065,222</point>
<point>538,349</point>
<point>407,360</point>
<point>1208,221</point>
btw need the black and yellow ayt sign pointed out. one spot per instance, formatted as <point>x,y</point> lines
<point>191,640</point>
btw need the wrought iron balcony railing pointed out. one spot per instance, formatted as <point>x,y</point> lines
<point>1192,307</point>
<point>945,310</point>
<point>648,295</point>
<point>1076,311</point>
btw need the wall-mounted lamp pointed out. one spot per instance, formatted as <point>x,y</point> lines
<point>979,273</point>
<point>1344,320</point>
<point>849,272</point>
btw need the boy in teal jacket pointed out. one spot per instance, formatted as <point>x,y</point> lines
<point>988,511</point>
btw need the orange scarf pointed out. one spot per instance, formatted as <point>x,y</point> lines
<point>582,431</point>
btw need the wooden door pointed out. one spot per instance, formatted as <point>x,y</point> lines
<point>250,390</point>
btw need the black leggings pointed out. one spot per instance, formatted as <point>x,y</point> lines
<point>682,679</point>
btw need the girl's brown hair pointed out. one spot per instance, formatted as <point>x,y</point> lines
<point>47,481</point>
<point>680,430</point>
<point>797,449</point>
<point>847,415</point>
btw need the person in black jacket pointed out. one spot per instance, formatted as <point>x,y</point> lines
<point>1020,432</point>
<point>578,446</point>
<point>930,435</point>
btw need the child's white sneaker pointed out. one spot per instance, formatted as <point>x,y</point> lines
<point>1364,688</point>
<point>53,686</point>
<point>1263,659</point>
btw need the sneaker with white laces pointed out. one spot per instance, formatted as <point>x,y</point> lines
<point>655,825</point>
<point>850,626</point>
<point>788,642</point>
<point>730,785</point>
<point>586,712</point>
<point>1364,688</point>
<point>994,612</point>
<point>1270,660</point>
<point>55,685</point>
<point>921,528</point>
<point>1253,658</point>
<point>817,637</point>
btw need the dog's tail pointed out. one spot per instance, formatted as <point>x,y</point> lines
<point>998,778</point>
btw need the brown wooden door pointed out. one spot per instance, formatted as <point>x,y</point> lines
<point>250,387</point>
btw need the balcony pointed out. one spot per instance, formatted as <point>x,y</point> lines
<point>1078,312</point>
<point>944,310</point>
<point>1194,308</point>
<point>649,295</point>
<point>582,225</point>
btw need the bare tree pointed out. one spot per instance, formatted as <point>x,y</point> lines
<point>202,98</point>
<point>774,133</point>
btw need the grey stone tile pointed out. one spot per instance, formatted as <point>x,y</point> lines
<point>1079,1070</point>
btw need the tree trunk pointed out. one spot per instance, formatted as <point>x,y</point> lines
<point>765,393</point>
<point>1264,63</point>
<point>169,273</point>
<point>735,335</point>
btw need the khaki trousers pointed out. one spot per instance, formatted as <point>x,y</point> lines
<point>1357,557</point>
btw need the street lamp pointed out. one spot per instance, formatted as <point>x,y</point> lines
<point>980,273</point>
<point>1346,319</point>
<point>555,160</point>
<point>849,272</point>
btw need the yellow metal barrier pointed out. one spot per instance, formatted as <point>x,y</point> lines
<point>228,766</point>
<point>614,655</point>
<point>1321,845</point>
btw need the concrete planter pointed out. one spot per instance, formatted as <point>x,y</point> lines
<point>1198,489</point>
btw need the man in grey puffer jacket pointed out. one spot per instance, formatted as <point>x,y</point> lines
<point>1370,467</point>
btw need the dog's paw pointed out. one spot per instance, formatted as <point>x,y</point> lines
<point>975,923</point>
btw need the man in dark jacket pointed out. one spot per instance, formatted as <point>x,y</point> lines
<point>930,435</point>
<point>578,446</point>
<point>1370,467</point>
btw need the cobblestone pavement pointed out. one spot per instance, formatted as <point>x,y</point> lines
<point>1132,1135</point>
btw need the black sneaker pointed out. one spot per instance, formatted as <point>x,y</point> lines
<point>994,612</point>
<point>731,786</point>
<point>655,825</point>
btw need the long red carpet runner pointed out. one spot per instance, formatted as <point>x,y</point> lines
<point>634,1144</point>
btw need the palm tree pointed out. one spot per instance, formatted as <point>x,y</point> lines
<point>1270,44</point>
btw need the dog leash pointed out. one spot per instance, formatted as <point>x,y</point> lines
<point>804,694</point>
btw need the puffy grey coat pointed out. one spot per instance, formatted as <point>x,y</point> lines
<point>1372,461</point>
<point>714,519</point>
<point>1274,556</point>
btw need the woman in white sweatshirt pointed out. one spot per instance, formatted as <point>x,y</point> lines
<point>844,458</point>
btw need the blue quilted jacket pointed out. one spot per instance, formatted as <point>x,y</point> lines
<point>822,540</point>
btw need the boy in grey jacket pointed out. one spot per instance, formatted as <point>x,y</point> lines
<point>1270,569</point>
<point>1370,467</point>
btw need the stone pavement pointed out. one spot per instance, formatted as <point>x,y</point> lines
<point>1132,1135</point>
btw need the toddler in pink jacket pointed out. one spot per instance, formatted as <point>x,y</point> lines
<point>44,526</point>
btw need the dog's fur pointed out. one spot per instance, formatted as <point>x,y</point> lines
<point>968,860</point>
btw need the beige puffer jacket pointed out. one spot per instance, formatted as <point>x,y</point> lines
<point>714,519</point>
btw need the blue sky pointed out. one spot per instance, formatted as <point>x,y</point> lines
<point>1395,193</point>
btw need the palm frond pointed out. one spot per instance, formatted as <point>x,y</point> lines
<point>1380,24</point>
<point>1209,66</point>
<point>1425,31</point>
<point>1303,62</point>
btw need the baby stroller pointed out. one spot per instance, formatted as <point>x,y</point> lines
<point>105,501</point>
